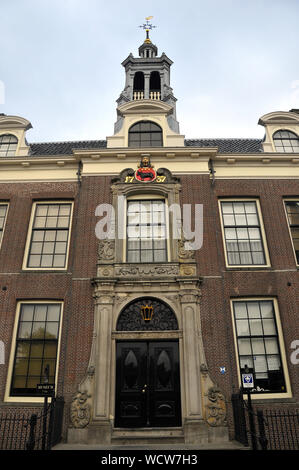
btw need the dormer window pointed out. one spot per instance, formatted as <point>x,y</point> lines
<point>8,145</point>
<point>286,141</point>
<point>145,134</point>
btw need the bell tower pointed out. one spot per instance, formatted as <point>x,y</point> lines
<point>147,90</point>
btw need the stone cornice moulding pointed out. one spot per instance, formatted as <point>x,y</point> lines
<point>14,122</point>
<point>145,106</point>
<point>279,117</point>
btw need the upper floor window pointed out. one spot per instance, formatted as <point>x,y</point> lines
<point>146,231</point>
<point>8,145</point>
<point>3,212</point>
<point>292,209</point>
<point>243,236</point>
<point>50,235</point>
<point>286,141</point>
<point>145,134</point>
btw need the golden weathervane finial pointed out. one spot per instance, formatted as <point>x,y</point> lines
<point>147,26</point>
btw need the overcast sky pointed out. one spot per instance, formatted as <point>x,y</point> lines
<point>234,60</point>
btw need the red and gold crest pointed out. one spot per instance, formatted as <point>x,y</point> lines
<point>145,172</point>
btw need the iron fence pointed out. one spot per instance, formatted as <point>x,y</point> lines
<point>264,429</point>
<point>32,431</point>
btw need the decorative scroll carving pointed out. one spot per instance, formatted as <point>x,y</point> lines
<point>106,250</point>
<point>80,410</point>
<point>131,319</point>
<point>183,253</point>
<point>121,178</point>
<point>146,270</point>
<point>216,407</point>
<point>169,178</point>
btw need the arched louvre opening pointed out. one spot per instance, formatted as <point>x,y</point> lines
<point>155,85</point>
<point>138,85</point>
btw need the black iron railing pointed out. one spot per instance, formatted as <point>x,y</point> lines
<point>23,430</point>
<point>264,429</point>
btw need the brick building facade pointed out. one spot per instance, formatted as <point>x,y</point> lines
<point>73,301</point>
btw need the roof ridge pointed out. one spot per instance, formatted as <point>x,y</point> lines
<point>224,138</point>
<point>67,141</point>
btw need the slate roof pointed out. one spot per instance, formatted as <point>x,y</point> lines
<point>224,146</point>
<point>228,145</point>
<point>64,148</point>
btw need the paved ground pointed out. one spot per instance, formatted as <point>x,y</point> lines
<point>231,445</point>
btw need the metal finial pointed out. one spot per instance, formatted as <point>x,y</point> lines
<point>147,26</point>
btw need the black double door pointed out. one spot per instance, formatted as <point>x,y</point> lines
<point>147,384</point>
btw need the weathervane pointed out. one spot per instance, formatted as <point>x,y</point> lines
<point>147,26</point>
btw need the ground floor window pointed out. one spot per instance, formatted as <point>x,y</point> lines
<point>36,347</point>
<point>258,344</point>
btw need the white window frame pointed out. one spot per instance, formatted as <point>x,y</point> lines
<point>18,144</point>
<point>25,399</point>
<point>283,357</point>
<point>294,199</point>
<point>29,235</point>
<point>140,197</point>
<point>263,234</point>
<point>4,225</point>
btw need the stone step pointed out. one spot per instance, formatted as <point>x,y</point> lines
<point>147,436</point>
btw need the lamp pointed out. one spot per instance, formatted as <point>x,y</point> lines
<point>147,312</point>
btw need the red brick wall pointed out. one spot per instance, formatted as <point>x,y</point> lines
<point>219,284</point>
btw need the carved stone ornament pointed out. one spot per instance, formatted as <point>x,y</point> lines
<point>106,250</point>
<point>131,318</point>
<point>128,175</point>
<point>146,270</point>
<point>183,253</point>
<point>80,410</point>
<point>215,407</point>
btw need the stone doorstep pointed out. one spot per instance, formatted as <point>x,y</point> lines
<point>147,435</point>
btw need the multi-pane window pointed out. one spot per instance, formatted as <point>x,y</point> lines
<point>146,231</point>
<point>50,235</point>
<point>242,233</point>
<point>8,145</point>
<point>258,344</point>
<point>286,141</point>
<point>3,212</point>
<point>36,347</point>
<point>145,134</point>
<point>292,208</point>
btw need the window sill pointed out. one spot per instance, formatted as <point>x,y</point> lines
<point>266,267</point>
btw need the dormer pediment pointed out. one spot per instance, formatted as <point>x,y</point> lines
<point>278,121</point>
<point>279,117</point>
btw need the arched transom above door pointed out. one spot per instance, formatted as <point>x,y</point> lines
<point>147,314</point>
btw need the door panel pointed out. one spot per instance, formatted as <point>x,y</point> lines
<point>147,384</point>
<point>165,403</point>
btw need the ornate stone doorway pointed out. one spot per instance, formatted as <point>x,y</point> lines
<point>147,391</point>
<point>147,384</point>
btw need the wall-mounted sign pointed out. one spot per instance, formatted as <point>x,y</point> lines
<point>247,380</point>
<point>46,390</point>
